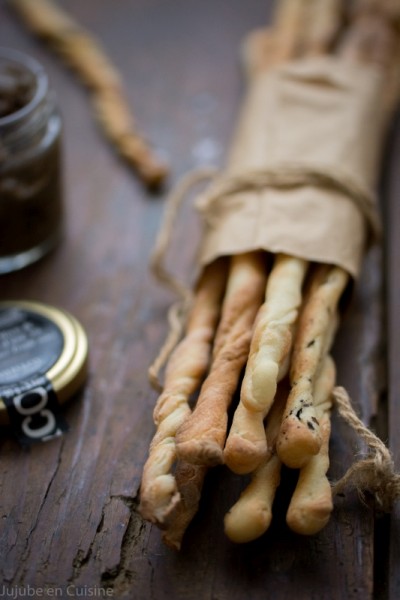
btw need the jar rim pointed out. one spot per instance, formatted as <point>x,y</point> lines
<point>41,87</point>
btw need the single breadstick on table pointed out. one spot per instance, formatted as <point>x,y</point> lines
<point>84,54</point>
<point>311,504</point>
<point>246,445</point>
<point>300,437</point>
<point>201,438</point>
<point>185,370</point>
<point>289,25</point>
<point>251,516</point>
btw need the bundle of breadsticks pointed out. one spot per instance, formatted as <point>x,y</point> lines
<point>285,229</point>
<point>83,53</point>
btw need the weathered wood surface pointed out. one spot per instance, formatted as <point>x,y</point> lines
<point>392,222</point>
<point>69,508</point>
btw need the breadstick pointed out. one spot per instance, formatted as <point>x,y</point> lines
<point>189,479</point>
<point>290,21</point>
<point>311,504</point>
<point>323,22</point>
<point>271,344</point>
<point>185,370</point>
<point>372,38</point>
<point>78,48</point>
<point>200,439</point>
<point>251,516</point>
<point>300,437</point>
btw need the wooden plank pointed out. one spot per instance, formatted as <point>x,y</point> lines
<point>392,224</point>
<point>69,508</point>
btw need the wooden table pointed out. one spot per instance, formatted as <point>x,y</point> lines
<point>68,508</point>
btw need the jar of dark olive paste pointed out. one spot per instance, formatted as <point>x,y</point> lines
<point>30,181</point>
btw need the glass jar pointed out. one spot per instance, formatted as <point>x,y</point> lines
<point>30,181</point>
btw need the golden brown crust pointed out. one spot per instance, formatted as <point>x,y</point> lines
<point>270,348</point>
<point>201,438</point>
<point>300,437</point>
<point>311,504</point>
<point>185,371</point>
<point>251,516</point>
<point>84,54</point>
<point>189,480</point>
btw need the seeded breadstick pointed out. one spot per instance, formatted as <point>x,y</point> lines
<point>300,437</point>
<point>271,344</point>
<point>78,48</point>
<point>185,371</point>
<point>311,504</point>
<point>201,438</point>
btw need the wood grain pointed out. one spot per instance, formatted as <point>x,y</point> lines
<point>69,508</point>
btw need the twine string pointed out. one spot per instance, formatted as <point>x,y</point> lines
<point>375,473</point>
<point>178,312</point>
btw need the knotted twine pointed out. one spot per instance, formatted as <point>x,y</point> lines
<point>375,473</point>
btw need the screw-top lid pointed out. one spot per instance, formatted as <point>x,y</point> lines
<point>43,362</point>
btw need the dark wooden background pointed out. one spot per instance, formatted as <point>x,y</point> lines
<point>68,509</point>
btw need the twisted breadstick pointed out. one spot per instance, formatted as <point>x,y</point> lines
<point>78,48</point>
<point>300,437</point>
<point>185,370</point>
<point>189,480</point>
<point>270,349</point>
<point>200,439</point>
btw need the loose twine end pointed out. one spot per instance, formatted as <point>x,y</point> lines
<point>178,312</point>
<point>374,474</point>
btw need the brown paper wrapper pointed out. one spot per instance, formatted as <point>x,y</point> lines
<point>303,168</point>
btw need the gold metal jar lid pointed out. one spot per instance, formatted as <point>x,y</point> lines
<point>43,362</point>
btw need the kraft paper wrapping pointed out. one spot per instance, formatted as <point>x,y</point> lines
<point>303,168</point>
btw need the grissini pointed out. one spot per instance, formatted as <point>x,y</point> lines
<point>184,373</point>
<point>267,363</point>
<point>311,503</point>
<point>300,436</point>
<point>85,56</point>
<point>201,437</point>
<point>251,515</point>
